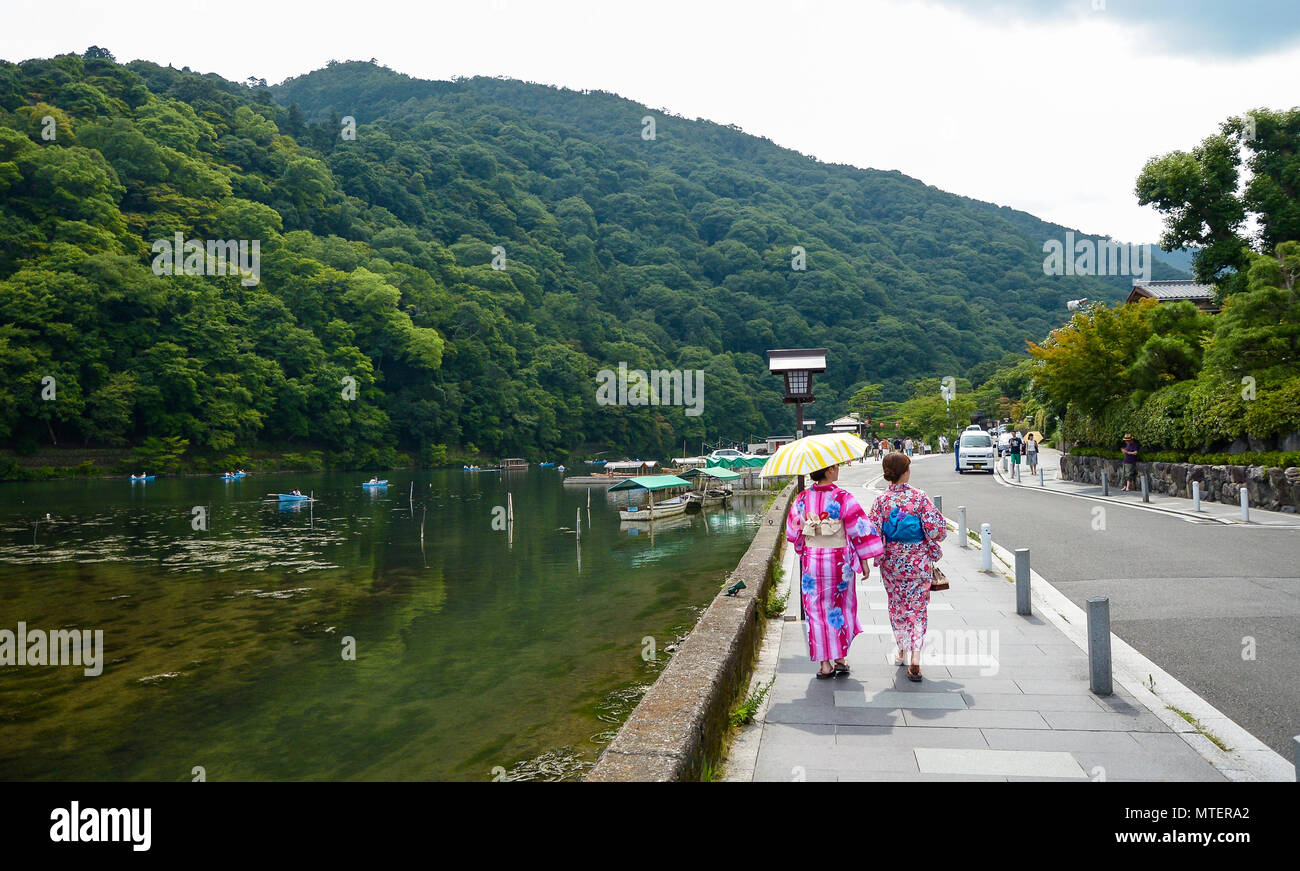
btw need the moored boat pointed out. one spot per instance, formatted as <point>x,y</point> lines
<point>375,483</point>
<point>652,484</point>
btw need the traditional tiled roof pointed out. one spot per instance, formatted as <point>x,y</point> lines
<point>1174,290</point>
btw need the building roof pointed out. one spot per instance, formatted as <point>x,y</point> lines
<point>1167,291</point>
<point>847,420</point>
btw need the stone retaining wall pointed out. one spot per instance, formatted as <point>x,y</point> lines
<point>683,720</point>
<point>1268,487</point>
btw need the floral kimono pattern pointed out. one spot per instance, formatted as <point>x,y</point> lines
<point>827,574</point>
<point>905,566</point>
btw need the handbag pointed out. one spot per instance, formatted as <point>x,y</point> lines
<point>938,580</point>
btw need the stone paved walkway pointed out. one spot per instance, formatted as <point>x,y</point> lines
<point>1004,698</point>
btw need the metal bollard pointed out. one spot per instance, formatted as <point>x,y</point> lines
<point>1196,495</point>
<point>1005,463</point>
<point>1041,483</point>
<point>963,540</point>
<point>1245,505</point>
<point>986,547</point>
<point>1099,645</point>
<point>1146,489</point>
<point>1105,483</point>
<point>938,503</point>
<point>1022,582</point>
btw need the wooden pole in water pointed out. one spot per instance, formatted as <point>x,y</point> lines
<point>510,508</point>
<point>588,507</point>
<point>423,512</point>
<point>578,527</point>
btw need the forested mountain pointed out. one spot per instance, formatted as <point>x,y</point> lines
<point>381,260</point>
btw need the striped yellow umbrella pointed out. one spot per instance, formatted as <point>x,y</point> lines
<point>814,452</point>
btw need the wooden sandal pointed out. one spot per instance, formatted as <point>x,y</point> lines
<point>914,673</point>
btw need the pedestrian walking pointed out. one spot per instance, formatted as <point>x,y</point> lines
<point>834,540</point>
<point>898,444</point>
<point>1128,471</point>
<point>1014,447</point>
<point>907,446</point>
<point>912,528</point>
<point>1031,454</point>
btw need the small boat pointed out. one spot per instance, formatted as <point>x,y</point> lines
<point>652,484</point>
<point>655,511</point>
<point>232,477</point>
<point>143,477</point>
<point>559,468</point>
<point>471,468</point>
<point>510,464</point>
<point>545,465</point>
<point>375,484</point>
<point>596,462</point>
<point>711,496</point>
<point>293,497</point>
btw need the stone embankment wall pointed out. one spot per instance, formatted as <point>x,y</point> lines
<point>1269,488</point>
<point>683,720</point>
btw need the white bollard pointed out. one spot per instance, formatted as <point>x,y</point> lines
<point>1196,495</point>
<point>986,547</point>
<point>1245,506</point>
<point>963,540</point>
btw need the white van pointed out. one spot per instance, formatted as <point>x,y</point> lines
<point>976,452</point>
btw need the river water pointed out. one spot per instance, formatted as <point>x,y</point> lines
<point>480,653</point>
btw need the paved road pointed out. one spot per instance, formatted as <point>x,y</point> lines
<point>1189,595</point>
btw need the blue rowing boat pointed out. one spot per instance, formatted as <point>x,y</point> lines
<point>143,477</point>
<point>375,484</point>
<point>290,497</point>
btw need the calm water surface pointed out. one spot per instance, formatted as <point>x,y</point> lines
<point>477,651</point>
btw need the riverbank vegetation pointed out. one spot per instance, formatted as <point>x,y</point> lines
<point>446,266</point>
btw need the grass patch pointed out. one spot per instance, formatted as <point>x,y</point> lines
<point>1196,724</point>
<point>743,713</point>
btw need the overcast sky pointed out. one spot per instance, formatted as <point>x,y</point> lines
<point>1050,106</point>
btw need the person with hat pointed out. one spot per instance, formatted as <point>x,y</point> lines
<point>833,538</point>
<point>1129,469</point>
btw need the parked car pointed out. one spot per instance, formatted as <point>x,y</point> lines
<point>1004,439</point>
<point>976,452</point>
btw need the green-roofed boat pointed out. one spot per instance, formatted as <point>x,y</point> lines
<point>652,484</point>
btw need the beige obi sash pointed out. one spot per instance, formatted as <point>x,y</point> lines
<point>824,533</point>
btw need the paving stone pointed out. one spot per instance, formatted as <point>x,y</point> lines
<point>1102,720</point>
<point>1067,740</point>
<point>1052,687</point>
<point>879,737</point>
<point>779,762</point>
<point>767,773</point>
<point>973,684</point>
<point>1147,766</point>
<point>802,712</point>
<point>1025,763</point>
<point>1022,702</point>
<point>891,699</point>
<point>969,719</point>
<point>798,734</point>
<point>1162,742</point>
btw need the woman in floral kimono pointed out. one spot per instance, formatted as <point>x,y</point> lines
<point>912,528</point>
<point>834,540</point>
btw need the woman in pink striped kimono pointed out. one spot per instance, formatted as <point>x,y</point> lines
<point>834,540</point>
